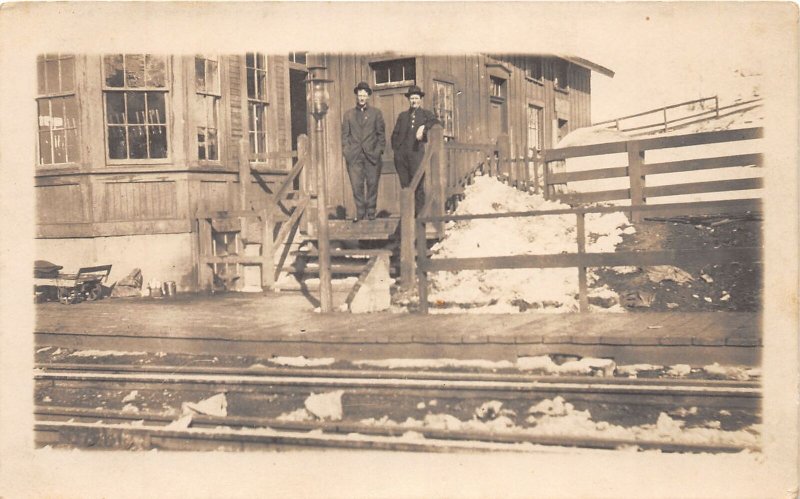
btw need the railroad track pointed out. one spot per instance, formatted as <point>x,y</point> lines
<point>91,427</point>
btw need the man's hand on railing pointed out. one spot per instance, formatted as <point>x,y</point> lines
<point>420,132</point>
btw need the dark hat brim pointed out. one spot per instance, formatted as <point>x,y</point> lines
<point>415,92</point>
<point>362,86</point>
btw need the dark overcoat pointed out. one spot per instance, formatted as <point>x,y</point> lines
<point>363,132</point>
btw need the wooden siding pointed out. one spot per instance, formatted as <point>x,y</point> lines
<point>59,203</point>
<point>138,201</point>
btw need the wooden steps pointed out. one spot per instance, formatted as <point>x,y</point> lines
<point>378,229</point>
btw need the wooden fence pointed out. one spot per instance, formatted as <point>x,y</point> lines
<point>268,227</point>
<point>637,170</point>
<point>581,259</point>
<point>662,122</point>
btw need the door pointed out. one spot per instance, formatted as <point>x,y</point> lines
<point>391,102</point>
<point>298,111</point>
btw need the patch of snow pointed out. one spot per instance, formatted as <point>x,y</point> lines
<point>131,396</point>
<point>302,361</point>
<point>624,269</point>
<point>296,415</point>
<point>421,405</point>
<point>130,408</point>
<point>585,365</point>
<point>434,363</point>
<point>43,349</point>
<point>181,423</point>
<point>633,370</point>
<point>679,370</point>
<point>56,352</point>
<point>325,405</point>
<point>727,372</point>
<point>47,399</point>
<point>104,353</point>
<point>216,405</point>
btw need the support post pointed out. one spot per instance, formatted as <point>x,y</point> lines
<point>204,273</point>
<point>407,238</point>
<point>637,180</point>
<point>326,298</point>
<point>583,299</point>
<point>267,250</point>
<point>422,272</point>
<point>244,180</point>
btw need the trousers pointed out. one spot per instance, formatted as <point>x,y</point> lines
<point>406,162</point>
<point>364,177</point>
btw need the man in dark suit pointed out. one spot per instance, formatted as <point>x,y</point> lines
<point>408,137</point>
<point>363,141</point>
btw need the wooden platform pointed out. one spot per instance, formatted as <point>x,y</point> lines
<point>286,324</point>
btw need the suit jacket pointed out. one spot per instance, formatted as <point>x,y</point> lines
<point>363,132</point>
<point>405,136</point>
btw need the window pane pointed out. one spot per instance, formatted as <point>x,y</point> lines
<point>45,156</point>
<point>57,107</point>
<point>138,142</point>
<point>156,71</point>
<point>158,141</point>
<point>156,107</point>
<point>261,61</point>
<point>40,76</point>
<point>262,85</point>
<point>117,144</point>
<point>201,143</point>
<point>410,70</point>
<point>44,114</point>
<point>113,70</point>
<point>135,107</point>
<point>212,122</point>
<point>71,111</point>
<point>199,110</point>
<point>262,142</point>
<point>134,70</point>
<point>200,74</point>
<point>249,60</point>
<point>212,77</point>
<point>59,147</point>
<point>252,121</point>
<point>72,145</point>
<point>115,108</point>
<point>251,84</point>
<point>381,74</point>
<point>68,74</point>
<point>51,80</point>
<point>212,145</point>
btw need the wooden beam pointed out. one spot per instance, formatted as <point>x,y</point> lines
<point>703,164</point>
<point>637,179</point>
<point>703,187</point>
<point>599,173</point>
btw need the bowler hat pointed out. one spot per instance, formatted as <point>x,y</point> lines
<point>415,90</point>
<point>362,86</point>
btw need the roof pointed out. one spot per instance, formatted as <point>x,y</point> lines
<point>597,68</point>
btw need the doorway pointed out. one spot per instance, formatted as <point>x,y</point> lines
<point>297,97</point>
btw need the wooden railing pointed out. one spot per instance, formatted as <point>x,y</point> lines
<point>277,222</point>
<point>637,170</point>
<point>581,259</point>
<point>447,169</point>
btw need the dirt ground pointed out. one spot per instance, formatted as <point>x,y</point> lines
<point>733,286</point>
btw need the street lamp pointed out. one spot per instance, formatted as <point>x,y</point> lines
<point>318,103</point>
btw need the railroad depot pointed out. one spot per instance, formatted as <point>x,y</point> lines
<point>140,156</point>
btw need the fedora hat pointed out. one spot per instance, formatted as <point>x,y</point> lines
<point>362,85</point>
<point>415,90</point>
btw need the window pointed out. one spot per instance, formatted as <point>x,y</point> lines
<point>561,74</point>
<point>396,71</point>
<point>533,68</point>
<point>444,107</point>
<point>497,90</point>
<point>57,108</point>
<point>535,130</point>
<point>257,104</point>
<point>207,97</point>
<point>135,94</point>
<point>298,57</point>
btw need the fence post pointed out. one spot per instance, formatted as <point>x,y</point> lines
<point>407,238</point>
<point>583,299</point>
<point>637,180</point>
<point>422,273</point>
<point>267,250</point>
<point>204,274</point>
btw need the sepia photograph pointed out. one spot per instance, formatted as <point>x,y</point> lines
<point>547,253</point>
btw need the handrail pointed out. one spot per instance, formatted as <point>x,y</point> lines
<point>655,110</point>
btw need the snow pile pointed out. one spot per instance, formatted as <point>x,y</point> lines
<point>212,406</point>
<point>302,361</point>
<point>434,363</point>
<point>325,405</point>
<point>104,353</point>
<point>505,290</point>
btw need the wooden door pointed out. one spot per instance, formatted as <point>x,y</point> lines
<point>391,102</point>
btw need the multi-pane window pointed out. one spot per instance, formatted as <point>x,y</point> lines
<point>57,108</point>
<point>534,69</point>
<point>298,57</point>
<point>443,106</point>
<point>257,104</point>
<point>561,74</point>
<point>135,94</point>
<point>497,88</point>
<point>396,71</point>
<point>535,130</point>
<point>207,97</point>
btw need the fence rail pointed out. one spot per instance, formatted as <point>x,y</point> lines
<point>582,259</point>
<point>637,170</point>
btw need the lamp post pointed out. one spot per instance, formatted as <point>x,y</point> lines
<point>318,103</point>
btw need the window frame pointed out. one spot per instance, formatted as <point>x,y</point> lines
<point>262,103</point>
<point>166,90</point>
<point>537,107</point>
<point>435,95</point>
<point>405,82</point>
<point>530,62</point>
<point>49,97</point>
<point>216,96</point>
<point>502,96</point>
<point>561,62</point>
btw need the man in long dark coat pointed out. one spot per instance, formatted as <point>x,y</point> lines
<point>363,141</point>
<point>408,142</point>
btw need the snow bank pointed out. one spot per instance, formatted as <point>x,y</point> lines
<point>302,361</point>
<point>434,363</point>
<point>504,290</point>
<point>104,353</point>
<point>325,405</point>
